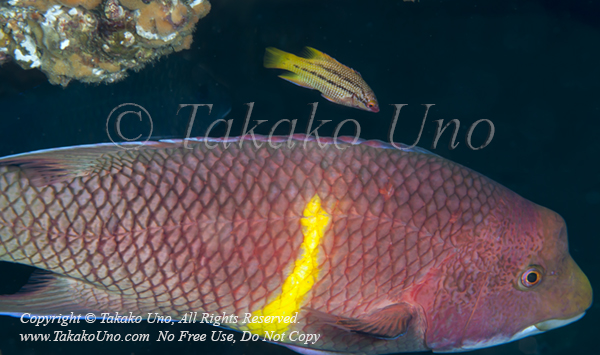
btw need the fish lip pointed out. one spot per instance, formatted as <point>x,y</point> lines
<point>375,109</point>
<point>557,323</point>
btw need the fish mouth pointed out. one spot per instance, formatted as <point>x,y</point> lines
<point>556,323</point>
<point>537,328</point>
<point>545,326</point>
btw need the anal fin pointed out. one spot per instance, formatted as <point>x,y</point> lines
<point>329,98</point>
<point>48,294</point>
<point>308,351</point>
<point>294,79</point>
<point>387,323</point>
<point>45,293</point>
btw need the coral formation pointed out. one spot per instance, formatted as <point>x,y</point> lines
<point>95,40</point>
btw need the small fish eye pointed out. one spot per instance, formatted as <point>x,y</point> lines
<point>531,277</point>
<point>371,104</point>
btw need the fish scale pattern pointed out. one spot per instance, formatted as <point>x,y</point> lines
<point>169,229</point>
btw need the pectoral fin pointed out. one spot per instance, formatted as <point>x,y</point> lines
<point>387,323</point>
<point>349,101</point>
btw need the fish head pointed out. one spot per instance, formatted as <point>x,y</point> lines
<point>373,106</point>
<point>523,284</point>
<point>367,103</point>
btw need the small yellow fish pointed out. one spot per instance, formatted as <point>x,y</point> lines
<point>316,70</point>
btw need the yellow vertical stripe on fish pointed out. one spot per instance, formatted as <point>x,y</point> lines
<point>304,275</point>
<point>316,70</point>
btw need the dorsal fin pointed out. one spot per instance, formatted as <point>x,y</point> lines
<point>55,165</point>
<point>50,166</point>
<point>311,53</point>
<point>389,322</point>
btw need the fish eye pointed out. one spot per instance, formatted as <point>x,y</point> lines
<point>531,277</point>
<point>371,104</point>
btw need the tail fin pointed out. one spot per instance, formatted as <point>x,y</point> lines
<point>276,58</point>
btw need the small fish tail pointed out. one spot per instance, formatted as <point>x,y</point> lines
<point>276,58</point>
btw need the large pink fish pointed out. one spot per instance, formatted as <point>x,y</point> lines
<point>368,250</point>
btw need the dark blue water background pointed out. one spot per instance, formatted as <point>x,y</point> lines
<point>530,67</point>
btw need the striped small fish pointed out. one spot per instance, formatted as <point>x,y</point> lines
<point>316,70</point>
